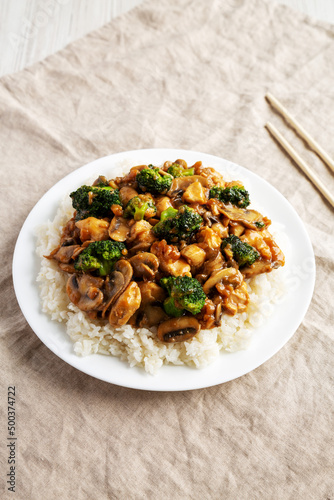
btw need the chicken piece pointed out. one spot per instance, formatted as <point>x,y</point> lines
<point>151,293</point>
<point>93,229</point>
<point>271,255</point>
<point>162,203</point>
<point>234,299</point>
<point>209,240</point>
<point>126,305</point>
<point>213,177</point>
<point>141,236</point>
<point>264,242</point>
<point>221,230</point>
<point>194,255</point>
<point>236,229</point>
<point>207,316</point>
<point>234,183</point>
<point>170,259</point>
<point>255,239</point>
<point>277,255</point>
<point>259,267</point>
<point>179,268</point>
<point>126,193</point>
<point>195,193</point>
<point>119,229</point>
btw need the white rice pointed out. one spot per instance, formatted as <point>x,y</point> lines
<point>140,346</point>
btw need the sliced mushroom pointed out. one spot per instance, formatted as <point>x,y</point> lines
<point>84,291</point>
<point>228,275</point>
<point>64,254</point>
<point>178,329</point>
<point>126,305</point>
<point>145,265</point>
<point>93,229</point>
<point>212,265</point>
<point>68,268</point>
<point>250,218</point>
<point>119,279</point>
<point>141,236</point>
<point>119,229</point>
<point>182,183</point>
<point>126,193</point>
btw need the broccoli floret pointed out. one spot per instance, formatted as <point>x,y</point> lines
<point>94,201</point>
<point>140,207</point>
<point>236,195</point>
<point>149,179</point>
<point>177,170</point>
<point>178,225</point>
<point>169,212</point>
<point>185,294</point>
<point>99,256</point>
<point>243,253</point>
<point>260,224</point>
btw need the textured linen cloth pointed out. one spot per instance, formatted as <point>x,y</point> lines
<point>187,74</point>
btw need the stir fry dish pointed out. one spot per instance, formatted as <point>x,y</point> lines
<point>169,247</point>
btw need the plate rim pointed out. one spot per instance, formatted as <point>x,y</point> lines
<point>149,385</point>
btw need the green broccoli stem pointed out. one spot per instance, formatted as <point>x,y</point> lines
<point>140,211</point>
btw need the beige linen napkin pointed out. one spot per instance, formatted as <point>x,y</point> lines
<point>193,75</point>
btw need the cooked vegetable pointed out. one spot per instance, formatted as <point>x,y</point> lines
<point>177,170</point>
<point>236,195</point>
<point>99,256</point>
<point>140,207</point>
<point>150,179</point>
<point>94,201</point>
<point>126,305</point>
<point>178,330</point>
<point>185,294</point>
<point>243,253</point>
<point>169,212</point>
<point>84,291</point>
<point>178,225</point>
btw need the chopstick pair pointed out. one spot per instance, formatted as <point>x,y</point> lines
<point>293,153</point>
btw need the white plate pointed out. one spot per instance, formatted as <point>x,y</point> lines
<point>267,339</point>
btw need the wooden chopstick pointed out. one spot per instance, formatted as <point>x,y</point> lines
<point>300,129</point>
<point>300,162</point>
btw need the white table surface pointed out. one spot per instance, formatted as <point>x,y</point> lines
<point>33,29</point>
